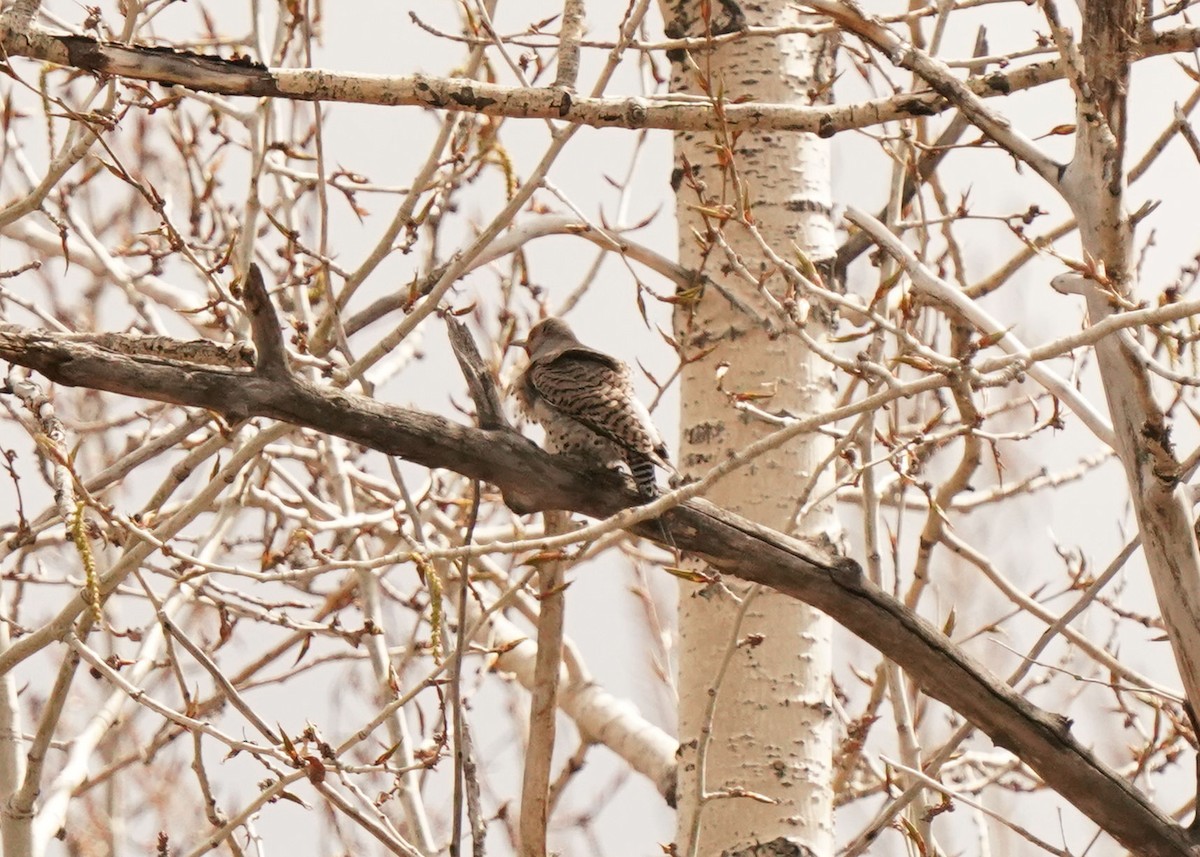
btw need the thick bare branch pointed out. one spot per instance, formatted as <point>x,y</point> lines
<point>531,480</point>
<point>241,77</point>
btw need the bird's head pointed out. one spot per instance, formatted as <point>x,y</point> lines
<point>547,334</point>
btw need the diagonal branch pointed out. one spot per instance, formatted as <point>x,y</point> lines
<point>941,79</point>
<point>943,293</point>
<point>531,480</point>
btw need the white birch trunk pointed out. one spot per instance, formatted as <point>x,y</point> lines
<point>768,729</point>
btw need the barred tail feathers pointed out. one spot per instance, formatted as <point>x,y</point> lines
<point>642,469</point>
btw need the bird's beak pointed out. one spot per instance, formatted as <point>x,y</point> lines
<point>521,343</point>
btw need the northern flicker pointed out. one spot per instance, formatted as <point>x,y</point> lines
<point>584,400</point>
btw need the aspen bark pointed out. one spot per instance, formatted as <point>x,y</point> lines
<point>1094,185</point>
<point>765,726</point>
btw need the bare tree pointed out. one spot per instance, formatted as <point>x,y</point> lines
<point>272,572</point>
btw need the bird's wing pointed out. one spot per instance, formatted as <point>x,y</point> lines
<point>596,391</point>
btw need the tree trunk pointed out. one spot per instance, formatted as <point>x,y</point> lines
<point>1094,186</point>
<point>754,672</point>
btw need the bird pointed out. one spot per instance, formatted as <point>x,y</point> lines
<point>584,400</point>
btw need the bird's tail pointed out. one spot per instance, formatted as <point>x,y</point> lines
<point>642,468</point>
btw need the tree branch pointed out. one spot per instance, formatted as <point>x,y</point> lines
<point>243,77</point>
<point>942,80</point>
<point>543,700</point>
<point>533,480</point>
<point>936,289</point>
<point>488,410</point>
<point>271,358</point>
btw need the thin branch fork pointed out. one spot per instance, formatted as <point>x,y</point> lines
<point>533,480</point>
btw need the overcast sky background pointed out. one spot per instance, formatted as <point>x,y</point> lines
<point>386,144</point>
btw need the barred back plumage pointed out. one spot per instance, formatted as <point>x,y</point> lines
<point>584,400</point>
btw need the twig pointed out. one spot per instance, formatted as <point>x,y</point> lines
<point>935,288</point>
<point>935,73</point>
<point>466,783</point>
<point>1187,131</point>
<point>230,692</point>
<point>856,244</point>
<point>937,786</point>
